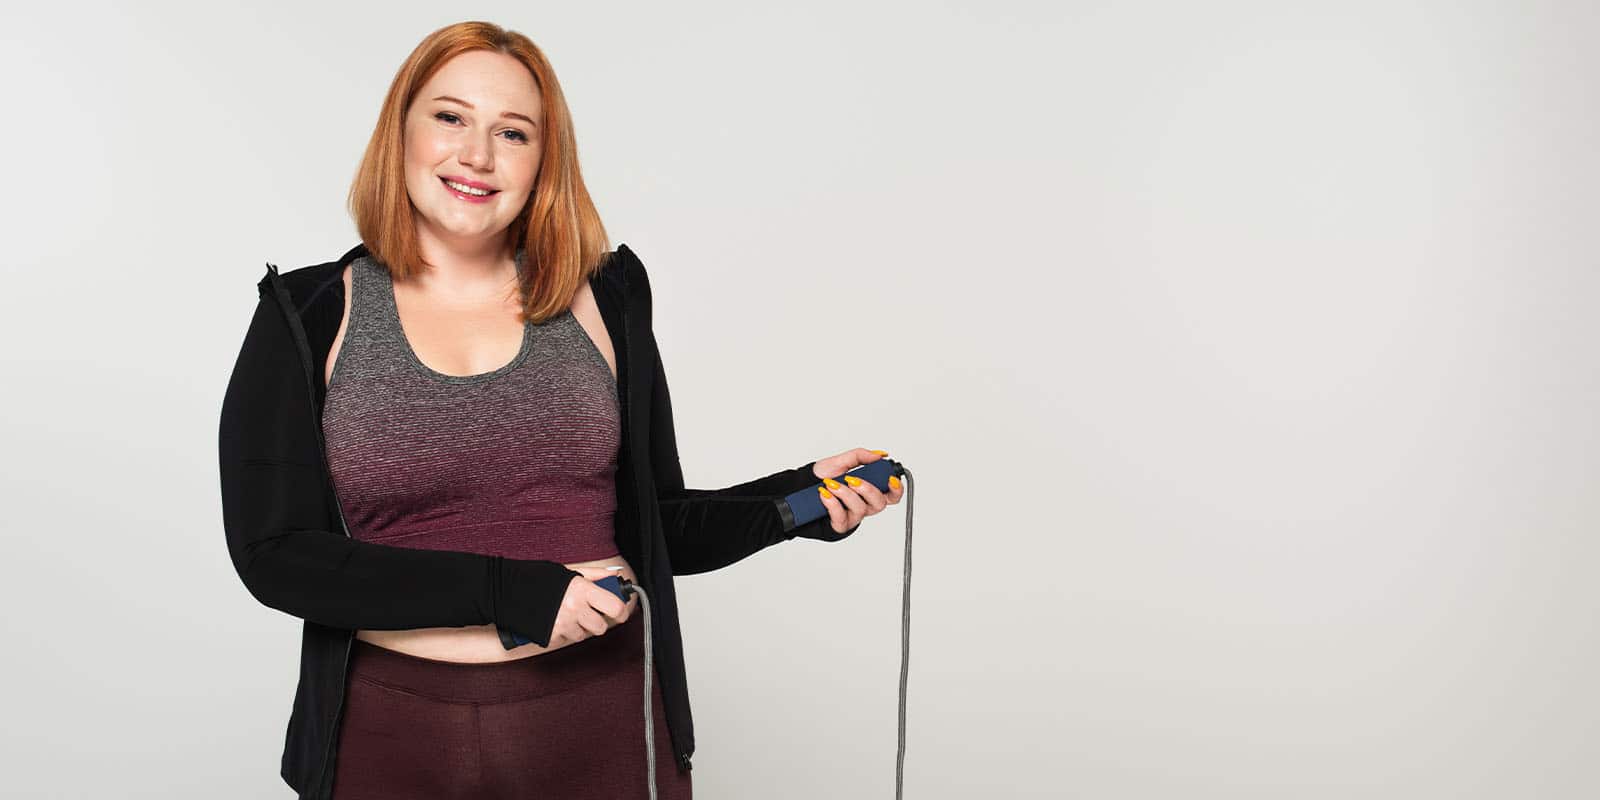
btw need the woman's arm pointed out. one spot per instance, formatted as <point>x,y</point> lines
<point>275,517</point>
<point>708,529</point>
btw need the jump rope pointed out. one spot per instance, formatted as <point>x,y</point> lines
<point>796,509</point>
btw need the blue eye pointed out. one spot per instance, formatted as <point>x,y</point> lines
<point>452,118</point>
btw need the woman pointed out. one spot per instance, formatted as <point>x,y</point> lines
<point>453,431</point>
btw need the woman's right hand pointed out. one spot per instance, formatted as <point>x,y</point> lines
<point>588,610</point>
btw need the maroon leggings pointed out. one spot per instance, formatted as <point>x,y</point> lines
<point>563,724</point>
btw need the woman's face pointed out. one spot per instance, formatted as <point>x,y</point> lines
<point>475,122</point>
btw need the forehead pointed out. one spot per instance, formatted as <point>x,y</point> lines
<point>492,82</point>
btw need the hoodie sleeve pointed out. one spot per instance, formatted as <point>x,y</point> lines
<point>276,518</point>
<point>707,529</point>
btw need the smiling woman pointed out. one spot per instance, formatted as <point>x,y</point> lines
<point>472,407</point>
<point>434,447</point>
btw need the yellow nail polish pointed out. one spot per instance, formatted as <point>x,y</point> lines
<point>894,482</point>
<point>832,484</point>
<point>852,480</point>
<point>826,495</point>
<point>881,452</point>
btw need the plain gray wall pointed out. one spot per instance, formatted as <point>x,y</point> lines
<point>1244,353</point>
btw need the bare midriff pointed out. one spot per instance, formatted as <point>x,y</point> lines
<point>478,644</point>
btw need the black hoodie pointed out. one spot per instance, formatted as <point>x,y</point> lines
<point>290,546</point>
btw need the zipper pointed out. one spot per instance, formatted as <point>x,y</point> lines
<point>307,363</point>
<point>638,485</point>
<point>627,383</point>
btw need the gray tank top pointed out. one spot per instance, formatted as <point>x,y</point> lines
<point>519,461</point>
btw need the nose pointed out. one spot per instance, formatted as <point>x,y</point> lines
<point>476,153</point>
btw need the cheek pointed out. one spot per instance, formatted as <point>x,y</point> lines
<point>423,148</point>
<point>527,172</point>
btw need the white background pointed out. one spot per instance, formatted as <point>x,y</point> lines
<point>1244,355</point>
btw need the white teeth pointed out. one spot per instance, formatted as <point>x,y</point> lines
<point>465,189</point>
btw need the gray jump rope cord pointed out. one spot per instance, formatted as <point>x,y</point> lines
<point>905,664</point>
<point>649,718</point>
<point>905,645</point>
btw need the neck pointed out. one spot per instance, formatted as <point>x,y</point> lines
<point>461,266</point>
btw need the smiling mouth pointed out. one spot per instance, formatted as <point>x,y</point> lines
<point>468,190</point>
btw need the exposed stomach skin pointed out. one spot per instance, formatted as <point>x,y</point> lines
<point>479,644</point>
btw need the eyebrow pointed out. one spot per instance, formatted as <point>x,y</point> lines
<point>509,114</point>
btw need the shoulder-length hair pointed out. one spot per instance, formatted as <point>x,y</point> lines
<point>559,228</point>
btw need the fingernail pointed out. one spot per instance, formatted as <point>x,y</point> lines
<point>881,452</point>
<point>826,495</point>
<point>831,484</point>
<point>894,482</point>
<point>852,480</point>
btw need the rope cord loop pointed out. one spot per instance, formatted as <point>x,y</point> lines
<point>905,661</point>
<point>649,660</point>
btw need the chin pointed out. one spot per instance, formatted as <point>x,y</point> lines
<point>458,221</point>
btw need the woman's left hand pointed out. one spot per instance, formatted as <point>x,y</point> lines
<point>853,500</point>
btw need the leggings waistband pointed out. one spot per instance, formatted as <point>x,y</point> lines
<point>571,667</point>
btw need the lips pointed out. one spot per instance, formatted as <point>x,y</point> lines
<point>466,195</point>
<point>471,184</point>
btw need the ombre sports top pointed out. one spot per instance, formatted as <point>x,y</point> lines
<point>517,462</point>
